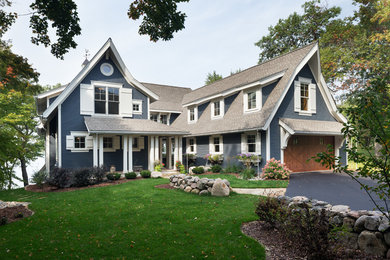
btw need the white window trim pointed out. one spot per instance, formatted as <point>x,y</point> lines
<point>259,100</point>
<point>307,81</point>
<point>137,102</point>
<point>74,134</point>
<point>114,147</point>
<point>195,115</point>
<point>106,85</point>
<point>211,144</point>
<point>188,145</point>
<point>244,142</point>
<point>221,108</point>
<point>138,149</point>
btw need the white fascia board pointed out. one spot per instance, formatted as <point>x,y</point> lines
<point>165,111</point>
<point>137,132</point>
<point>72,85</point>
<point>51,92</point>
<point>286,127</point>
<point>264,81</point>
<point>128,75</point>
<point>330,99</point>
<point>290,81</point>
<point>224,132</point>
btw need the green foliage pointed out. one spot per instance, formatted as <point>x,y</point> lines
<point>39,178</point>
<point>3,221</point>
<point>160,18</point>
<point>61,177</point>
<point>130,175</point>
<point>234,168</point>
<point>145,174</point>
<point>198,170</point>
<point>216,168</point>
<point>65,178</point>
<point>113,176</point>
<point>182,169</point>
<point>274,169</point>
<point>248,173</point>
<point>368,118</point>
<point>271,211</point>
<point>214,158</point>
<point>212,77</point>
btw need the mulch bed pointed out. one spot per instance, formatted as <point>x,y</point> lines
<point>48,188</point>
<point>164,186</point>
<point>15,213</point>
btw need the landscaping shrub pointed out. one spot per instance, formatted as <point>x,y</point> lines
<point>145,174</point>
<point>113,176</point>
<point>3,221</point>
<point>198,170</point>
<point>97,174</point>
<point>130,175</point>
<point>60,177</point>
<point>216,168</point>
<point>271,211</point>
<point>39,178</point>
<point>81,177</point>
<point>182,169</point>
<point>274,169</point>
<point>19,215</point>
<point>232,169</point>
<point>248,173</point>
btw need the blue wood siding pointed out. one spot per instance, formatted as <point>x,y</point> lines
<point>266,91</point>
<point>173,117</point>
<point>229,100</point>
<point>202,108</point>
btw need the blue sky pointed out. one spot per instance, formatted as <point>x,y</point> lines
<point>219,35</point>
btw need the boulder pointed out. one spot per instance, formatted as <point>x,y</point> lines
<point>226,182</point>
<point>353,214</point>
<point>200,185</point>
<point>348,222</point>
<point>320,203</point>
<point>359,224</point>
<point>194,185</point>
<point>340,208</point>
<point>384,225</point>
<point>349,240</point>
<point>204,192</point>
<point>336,221</point>
<point>174,180</point>
<point>188,189</point>
<point>209,189</point>
<point>220,189</point>
<point>196,179</point>
<point>369,243</point>
<point>195,191</point>
<point>386,237</point>
<point>300,199</point>
<point>182,186</point>
<point>372,223</point>
<point>388,254</point>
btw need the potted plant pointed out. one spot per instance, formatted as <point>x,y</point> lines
<point>214,158</point>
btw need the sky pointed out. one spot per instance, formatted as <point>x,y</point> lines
<point>219,35</point>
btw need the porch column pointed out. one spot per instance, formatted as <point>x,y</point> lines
<point>176,153</point>
<point>95,150</point>
<point>125,169</point>
<point>169,153</point>
<point>156,149</point>
<point>101,161</point>
<point>130,168</point>
<point>47,148</point>
<point>181,149</point>
<point>151,152</point>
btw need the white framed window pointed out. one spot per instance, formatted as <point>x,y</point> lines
<point>137,107</point>
<point>163,119</point>
<point>216,144</point>
<point>111,143</point>
<point>191,145</point>
<point>304,96</point>
<point>106,100</point>
<point>79,141</point>
<point>106,69</point>
<point>251,143</point>
<point>252,100</point>
<point>217,109</point>
<point>154,117</point>
<point>108,142</point>
<point>138,143</point>
<point>192,114</point>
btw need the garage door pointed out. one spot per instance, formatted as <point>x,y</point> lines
<point>300,148</point>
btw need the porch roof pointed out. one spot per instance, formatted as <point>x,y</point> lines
<point>301,126</point>
<point>97,125</point>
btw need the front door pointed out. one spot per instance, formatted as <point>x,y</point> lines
<point>164,155</point>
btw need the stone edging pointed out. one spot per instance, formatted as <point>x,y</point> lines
<point>201,186</point>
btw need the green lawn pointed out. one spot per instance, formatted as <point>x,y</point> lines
<point>133,220</point>
<point>240,183</point>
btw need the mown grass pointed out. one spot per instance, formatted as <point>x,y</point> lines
<point>240,183</point>
<point>133,220</point>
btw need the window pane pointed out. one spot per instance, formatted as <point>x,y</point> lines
<point>217,109</point>
<point>216,140</point>
<point>100,107</point>
<point>113,94</point>
<point>251,100</point>
<point>136,107</point>
<point>113,108</point>
<point>100,93</point>
<point>252,148</point>
<point>135,143</point>
<point>163,119</point>
<point>251,139</point>
<point>107,142</point>
<point>79,142</point>
<point>217,148</point>
<point>192,114</point>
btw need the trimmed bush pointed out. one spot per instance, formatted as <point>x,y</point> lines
<point>233,169</point>
<point>198,170</point>
<point>130,175</point>
<point>39,178</point>
<point>145,174</point>
<point>81,177</point>
<point>113,176</point>
<point>274,169</point>
<point>60,177</point>
<point>216,168</point>
<point>65,178</point>
<point>97,175</point>
<point>248,173</point>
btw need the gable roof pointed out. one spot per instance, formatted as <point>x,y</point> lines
<point>108,46</point>
<point>302,126</point>
<point>170,97</point>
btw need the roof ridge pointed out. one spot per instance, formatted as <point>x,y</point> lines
<point>277,57</point>
<point>165,85</point>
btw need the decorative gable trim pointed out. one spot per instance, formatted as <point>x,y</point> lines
<point>81,75</point>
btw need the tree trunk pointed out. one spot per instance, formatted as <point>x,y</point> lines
<point>24,171</point>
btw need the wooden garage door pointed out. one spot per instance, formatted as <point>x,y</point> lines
<point>300,148</point>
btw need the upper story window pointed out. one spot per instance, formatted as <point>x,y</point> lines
<point>154,117</point>
<point>106,69</point>
<point>164,119</point>
<point>217,109</point>
<point>304,96</point>
<point>192,114</point>
<point>137,107</point>
<point>79,142</point>
<point>106,100</point>
<point>252,100</point>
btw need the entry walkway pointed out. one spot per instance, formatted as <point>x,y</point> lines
<point>269,192</point>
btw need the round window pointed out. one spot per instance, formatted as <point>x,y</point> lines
<point>106,69</point>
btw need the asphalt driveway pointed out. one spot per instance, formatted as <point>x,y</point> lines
<point>333,188</point>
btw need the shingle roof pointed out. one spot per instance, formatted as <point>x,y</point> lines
<point>170,96</point>
<point>235,119</point>
<point>313,126</point>
<point>128,126</point>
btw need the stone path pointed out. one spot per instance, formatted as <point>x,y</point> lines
<point>269,192</point>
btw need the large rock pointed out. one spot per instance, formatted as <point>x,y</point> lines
<point>298,199</point>
<point>200,185</point>
<point>348,240</point>
<point>372,223</point>
<point>359,224</point>
<point>369,243</point>
<point>386,236</point>
<point>220,189</point>
<point>195,191</point>
<point>340,208</point>
<point>348,222</point>
<point>193,185</point>
<point>188,189</point>
<point>204,192</point>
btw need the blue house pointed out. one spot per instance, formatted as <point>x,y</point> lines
<point>280,109</point>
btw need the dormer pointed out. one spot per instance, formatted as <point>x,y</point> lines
<point>192,114</point>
